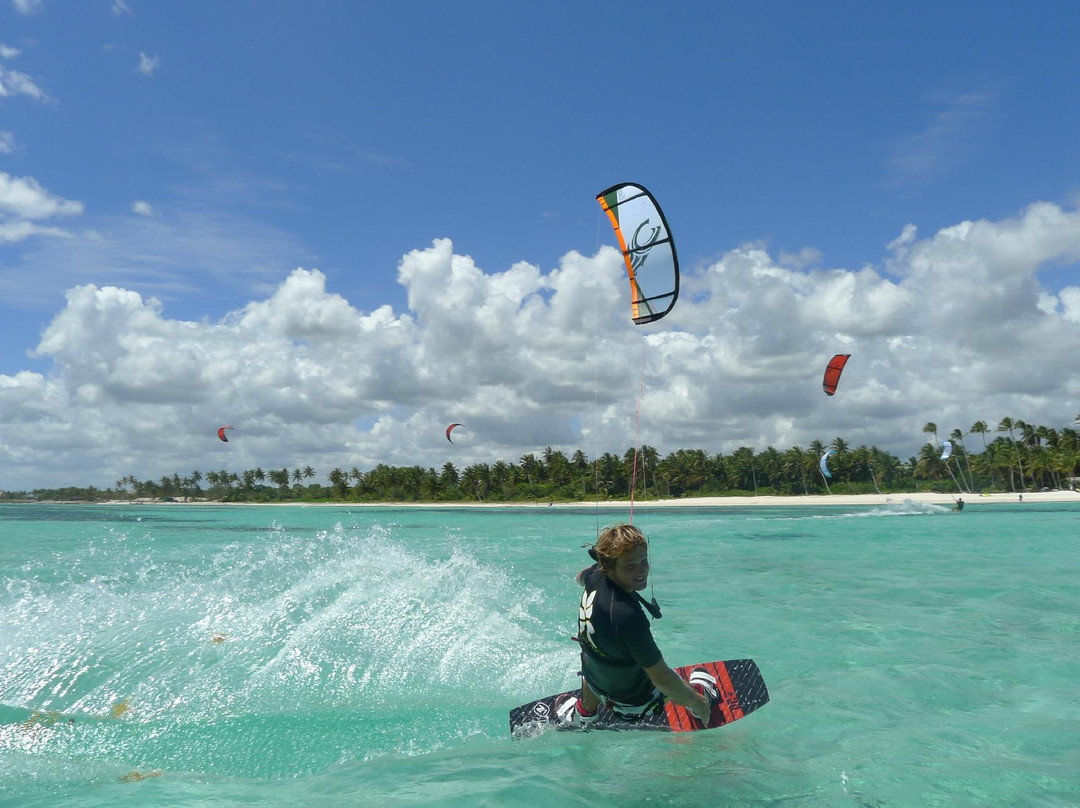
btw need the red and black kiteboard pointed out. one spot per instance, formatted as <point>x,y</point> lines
<point>742,690</point>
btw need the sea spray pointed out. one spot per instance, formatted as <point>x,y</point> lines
<point>270,657</point>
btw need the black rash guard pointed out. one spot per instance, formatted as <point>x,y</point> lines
<point>616,641</point>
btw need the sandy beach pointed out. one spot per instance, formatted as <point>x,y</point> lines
<point>873,499</point>
<point>814,500</point>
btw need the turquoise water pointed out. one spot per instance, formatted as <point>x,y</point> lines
<point>219,656</point>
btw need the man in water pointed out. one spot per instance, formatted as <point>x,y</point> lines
<point>959,504</point>
<point>620,663</point>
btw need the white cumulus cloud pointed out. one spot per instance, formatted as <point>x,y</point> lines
<point>954,328</point>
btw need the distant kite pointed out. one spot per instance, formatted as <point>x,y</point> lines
<point>221,433</point>
<point>449,429</point>
<point>946,450</point>
<point>823,464</point>
<point>832,373</point>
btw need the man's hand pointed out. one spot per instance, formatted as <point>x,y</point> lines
<point>702,711</point>
<point>704,683</point>
<point>675,688</point>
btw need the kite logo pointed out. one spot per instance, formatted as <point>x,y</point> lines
<point>641,251</point>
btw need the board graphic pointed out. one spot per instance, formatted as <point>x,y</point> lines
<point>742,690</point>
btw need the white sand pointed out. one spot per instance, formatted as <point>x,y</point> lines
<point>874,499</point>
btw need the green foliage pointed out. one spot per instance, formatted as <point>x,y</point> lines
<point>1025,457</point>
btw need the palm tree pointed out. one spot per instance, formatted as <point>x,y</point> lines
<point>716,475</point>
<point>1007,425</point>
<point>650,459</point>
<point>477,479</point>
<point>449,476</point>
<point>928,464</point>
<point>579,461</point>
<point>431,484</point>
<point>413,482</point>
<point>631,463</point>
<point>379,480</point>
<point>794,463</point>
<point>339,481</point>
<point>863,462</point>
<point>843,462</point>
<point>956,436</point>
<point>684,470</point>
<point>530,466</point>
<point>743,466</point>
<point>771,464</point>
<point>558,467</point>
<point>888,466</point>
<point>610,472</point>
<point>814,452</point>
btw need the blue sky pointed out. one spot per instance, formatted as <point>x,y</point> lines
<point>196,155</point>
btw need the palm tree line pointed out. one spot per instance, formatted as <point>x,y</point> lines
<point>1021,457</point>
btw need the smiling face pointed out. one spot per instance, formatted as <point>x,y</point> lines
<point>631,570</point>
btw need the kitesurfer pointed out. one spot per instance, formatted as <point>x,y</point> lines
<point>959,504</point>
<point>620,663</point>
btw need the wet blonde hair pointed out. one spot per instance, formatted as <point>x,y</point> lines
<point>615,541</point>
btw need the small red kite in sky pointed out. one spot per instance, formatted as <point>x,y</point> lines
<point>832,373</point>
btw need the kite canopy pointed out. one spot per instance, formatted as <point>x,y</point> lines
<point>946,449</point>
<point>450,428</point>
<point>823,463</point>
<point>832,373</point>
<point>648,249</point>
<point>221,433</point>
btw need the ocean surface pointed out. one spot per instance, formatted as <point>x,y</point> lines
<point>290,656</point>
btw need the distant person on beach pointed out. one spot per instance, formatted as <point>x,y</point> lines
<point>620,663</point>
<point>1021,497</point>
<point>959,506</point>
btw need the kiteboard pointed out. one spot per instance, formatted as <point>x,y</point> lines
<point>742,690</point>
